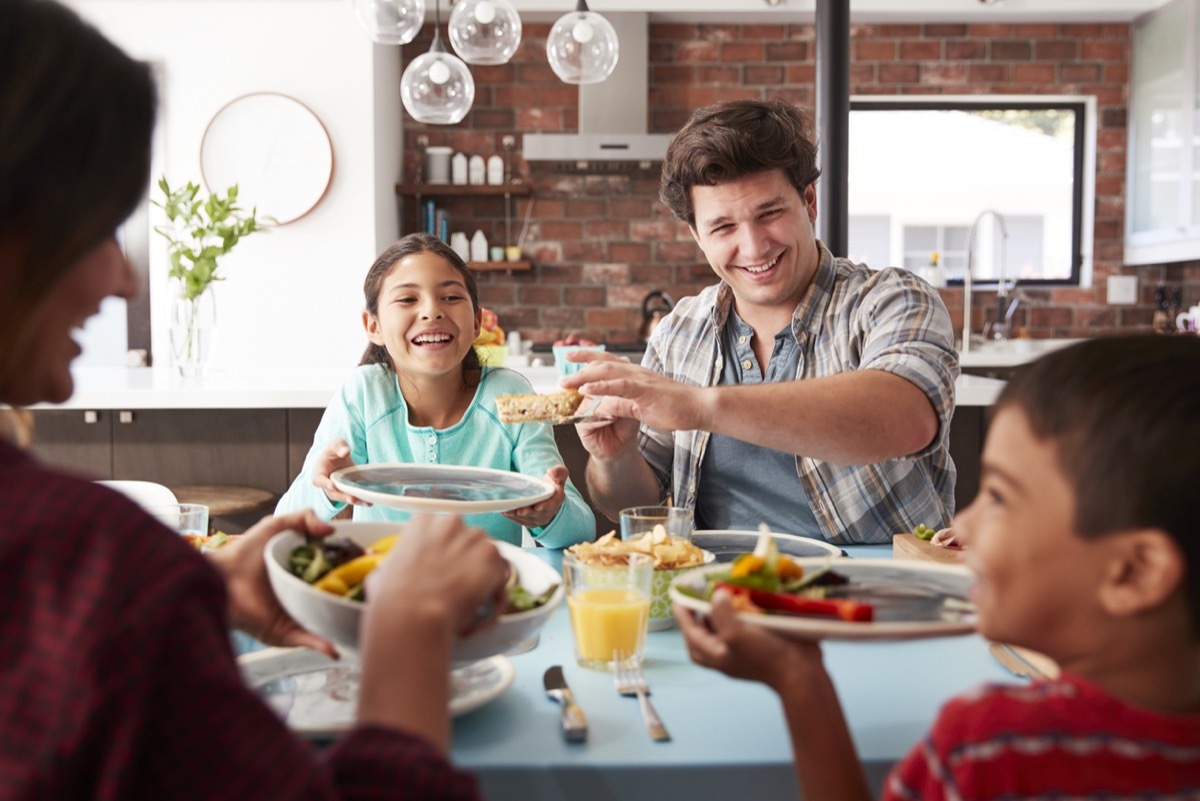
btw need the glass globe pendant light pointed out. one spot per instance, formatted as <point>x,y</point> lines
<point>393,22</point>
<point>437,87</point>
<point>582,46</point>
<point>485,31</point>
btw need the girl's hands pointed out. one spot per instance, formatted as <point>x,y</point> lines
<point>334,458</point>
<point>540,514</point>
<point>253,607</point>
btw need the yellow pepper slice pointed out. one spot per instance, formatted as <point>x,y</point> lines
<point>339,580</point>
<point>746,564</point>
<point>787,569</point>
<point>384,544</point>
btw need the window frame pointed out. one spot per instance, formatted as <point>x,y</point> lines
<point>1083,167</point>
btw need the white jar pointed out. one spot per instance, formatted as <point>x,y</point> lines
<point>476,170</point>
<point>458,169</point>
<point>479,247</point>
<point>461,245</point>
<point>437,165</point>
<point>495,170</point>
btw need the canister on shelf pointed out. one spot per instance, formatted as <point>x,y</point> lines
<point>495,170</point>
<point>458,169</point>
<point>477,170</point>
<point>479,246</point>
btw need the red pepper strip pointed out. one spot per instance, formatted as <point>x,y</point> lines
<point>851,611</point>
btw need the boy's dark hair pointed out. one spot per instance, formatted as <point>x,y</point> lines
<point>76,117</point>
<point>728,141</point>
<point>410,245</point>
<point>1124,415</point>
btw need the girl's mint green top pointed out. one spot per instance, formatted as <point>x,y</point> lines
<point>370,414</point>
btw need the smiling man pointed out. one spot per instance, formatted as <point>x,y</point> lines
<point>802,391</point>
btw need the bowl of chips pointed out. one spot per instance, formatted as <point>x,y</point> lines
<point>672,556</point>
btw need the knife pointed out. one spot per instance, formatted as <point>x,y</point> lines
<point>574,722</point>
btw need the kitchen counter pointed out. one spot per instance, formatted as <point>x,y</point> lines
<point>163,388</point>
<point>1010,353</point>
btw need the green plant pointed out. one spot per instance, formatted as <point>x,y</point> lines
<point>202,231</point>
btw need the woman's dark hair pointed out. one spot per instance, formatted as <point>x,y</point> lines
<point>1123,414</point>
<point>728,141</point>
<point>76,117</point>
<point>411,245</point>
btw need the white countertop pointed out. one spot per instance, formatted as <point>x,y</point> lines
<point>163,388</point>
<point>1011,353</point>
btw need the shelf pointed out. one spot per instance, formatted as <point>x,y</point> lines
<point>464,190</point>
<point>484,266</point>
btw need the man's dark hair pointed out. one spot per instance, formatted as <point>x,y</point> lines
<point>728,141</point>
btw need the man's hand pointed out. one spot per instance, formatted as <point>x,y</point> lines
<point>632,391</point>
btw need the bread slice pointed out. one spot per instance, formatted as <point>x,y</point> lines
<point>537,408</point>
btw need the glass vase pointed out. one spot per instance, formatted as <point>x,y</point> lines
<point>193,327</point>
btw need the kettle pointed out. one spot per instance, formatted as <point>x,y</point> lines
<point>655,306</point>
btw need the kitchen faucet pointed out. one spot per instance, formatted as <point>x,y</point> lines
<point>1001,290</point>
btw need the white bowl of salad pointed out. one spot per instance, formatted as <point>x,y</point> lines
<point>319,584</point>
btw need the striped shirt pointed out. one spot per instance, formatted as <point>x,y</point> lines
<point>850,318</point>
<point>1065,739</point>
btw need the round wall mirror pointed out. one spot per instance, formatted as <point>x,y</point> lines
<point>275,149</point>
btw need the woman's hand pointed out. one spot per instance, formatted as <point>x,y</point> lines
<point>253,607</point>
<point>541,513</point>
<point>335,456</point>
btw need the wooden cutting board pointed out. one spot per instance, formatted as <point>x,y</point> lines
<point>909,546</point>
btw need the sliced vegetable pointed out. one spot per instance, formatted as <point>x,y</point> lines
<point>343,577</point>
<point>923,532</point>
<point>840,608</point>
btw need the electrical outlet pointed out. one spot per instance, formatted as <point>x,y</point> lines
<point>1122,290</point>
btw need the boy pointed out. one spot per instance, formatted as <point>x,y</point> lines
<point>1085,543</point>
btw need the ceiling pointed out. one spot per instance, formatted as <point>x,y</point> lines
<point>864,11</point>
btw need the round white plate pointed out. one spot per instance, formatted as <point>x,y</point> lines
<point>441,487</point>
<point>317,696</point>
<point>726,544</point>
<point>909,599</point>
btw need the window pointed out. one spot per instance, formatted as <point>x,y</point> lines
<point>930,168</point>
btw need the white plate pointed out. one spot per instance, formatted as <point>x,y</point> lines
<point>726,544</point>
<point>317,696</point>
<point>441,487</point>
<point>917,613</point>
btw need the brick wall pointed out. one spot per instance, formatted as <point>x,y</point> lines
<point>600,242</point>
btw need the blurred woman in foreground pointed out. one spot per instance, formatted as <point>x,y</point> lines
<point>118,678</point>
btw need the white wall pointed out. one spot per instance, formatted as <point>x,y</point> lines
<point>293,297</point>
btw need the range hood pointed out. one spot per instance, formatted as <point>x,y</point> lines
<point>612,113</point>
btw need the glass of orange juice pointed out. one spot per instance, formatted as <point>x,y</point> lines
<point>609,605</point>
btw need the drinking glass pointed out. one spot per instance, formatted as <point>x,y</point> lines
<point>189,519</point>
<point>638,520</point>
<point>609,607</point>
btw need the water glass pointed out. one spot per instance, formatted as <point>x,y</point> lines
<point>189,519</point>
<point>638,520</point>
<point>609,606</point>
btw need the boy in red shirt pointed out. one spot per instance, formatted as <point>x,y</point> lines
<point>1085,544</point>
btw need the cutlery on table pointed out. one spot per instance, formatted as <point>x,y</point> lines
<point>587,415</point>
<point>630,681</point>
<point>574,722</point>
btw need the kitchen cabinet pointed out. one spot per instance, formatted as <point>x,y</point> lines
<point>242,447</point>
<point>420,193</point>
<point>1163,210</point>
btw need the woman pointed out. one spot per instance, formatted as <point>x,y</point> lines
<point>118,678</point>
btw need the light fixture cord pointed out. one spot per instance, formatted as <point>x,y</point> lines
<point>437,45</point>
<point>581,6</point>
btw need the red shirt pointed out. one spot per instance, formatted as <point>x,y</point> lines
<point>1063,739</point>
<point>117,678</point>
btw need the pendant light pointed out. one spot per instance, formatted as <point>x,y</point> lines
<point>582,46</point>
<point>437,87</point>
<point>485,31</point>
<point>393,22</point>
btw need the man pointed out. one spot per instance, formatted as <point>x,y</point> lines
<point>802,391</point>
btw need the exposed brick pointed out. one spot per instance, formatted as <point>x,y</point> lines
<point>539,295</point>
<point>584,295</point>
<point>606,229</point>
<point>1040,30</point>
<point>1101,50</point>
<point>942,73</point>
<point>629,252</point>
<point>1034,73</point>
<point>966,50</point>
<point>873,50</point>
<point>1011,50</point>
<point>732,52</point>
<point>770,75</point>
<point>1079,73</point>
<point>697,52</point>
<point>605,319</point>
<point>899,73</point>
<point>786,51</point>
<point>721,73</point>
<point>920,50</point>
<point>944,31</point>
<point>980,74</point>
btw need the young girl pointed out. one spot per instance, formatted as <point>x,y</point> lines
<point>421,396</point>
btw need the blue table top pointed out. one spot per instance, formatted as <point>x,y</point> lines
<point>729,737</point>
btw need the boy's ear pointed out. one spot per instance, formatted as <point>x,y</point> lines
<point>1146,568</point>
<point>371,326</point>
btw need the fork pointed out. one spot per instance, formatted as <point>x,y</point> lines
<point>631,681</point>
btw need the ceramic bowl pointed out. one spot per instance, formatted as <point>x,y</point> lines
<point>337,619</point>
<point>661,614</point>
